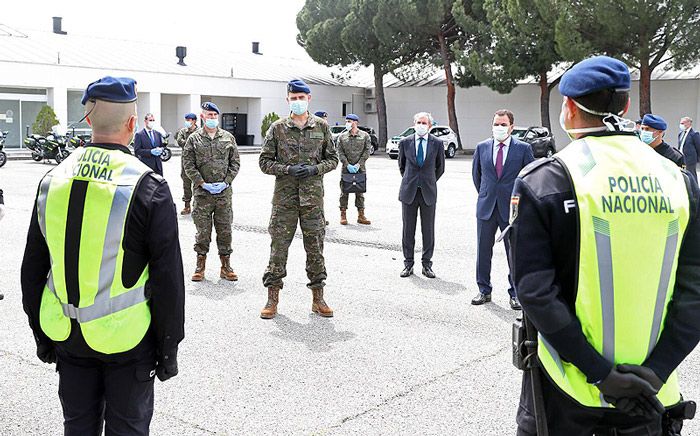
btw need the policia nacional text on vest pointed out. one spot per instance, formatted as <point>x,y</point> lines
<point>94,187</point>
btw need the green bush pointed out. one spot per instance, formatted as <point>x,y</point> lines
<point>267,122</point>
<point>44,121</point>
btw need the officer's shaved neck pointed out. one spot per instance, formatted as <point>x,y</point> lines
<point>111,122</point>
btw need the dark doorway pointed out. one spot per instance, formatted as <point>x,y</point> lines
<point>237,125</point>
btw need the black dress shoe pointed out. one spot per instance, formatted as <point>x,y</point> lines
<point>428,272</point>
<point>515,304</point>
<point>407,271</point>
<point>481,299</point>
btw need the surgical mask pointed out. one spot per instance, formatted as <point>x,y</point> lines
<point>348,126</point>
<point>500,133</point>
<point>298,107</point>
<point>682,127</point>
<point>647,137</point>
<point>150,124</point>
<point>421,129</point>
<point>188,124</point>
<point>211,123</point>
<point>570,132</point>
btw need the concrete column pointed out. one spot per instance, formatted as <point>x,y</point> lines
<point>57,98</point>
<point>255,117</point>
<point>148,102</point>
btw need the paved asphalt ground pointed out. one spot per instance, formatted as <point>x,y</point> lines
<point>401,357</point>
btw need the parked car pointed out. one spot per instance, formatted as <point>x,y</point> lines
<point>446,134</point>
<point>337,130</point>
<point>539,138</point>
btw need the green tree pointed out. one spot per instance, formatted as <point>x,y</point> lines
<point>337,33</point>
<point>44,121</point>
<point>521,44</point>
<point>646,34</point>
<point>430,28</point>
<point>267,122</point>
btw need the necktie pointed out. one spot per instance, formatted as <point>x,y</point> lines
<point>150,134</point>
<point>420,157</point>
<point>499,160</point>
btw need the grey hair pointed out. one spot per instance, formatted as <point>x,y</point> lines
<point>690,120</point>
<point>420,115</point>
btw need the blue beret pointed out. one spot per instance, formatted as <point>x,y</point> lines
<point>593,75</point>
<point>352,117</point>
<point>190,116</point>
<point>209,106</point>
<point>321,114</point>
<point>112,89</point>
<point>654,121</point>
<point>297,85</point>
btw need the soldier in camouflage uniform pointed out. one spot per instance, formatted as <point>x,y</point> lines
<point>353,151</point>
<point>181,138</point>
<point>298,150</point>
<point>212,161</point>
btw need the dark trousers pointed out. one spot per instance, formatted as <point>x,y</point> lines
<point>692,171</point>
<point>566,417</point>
<point>118,395</point>
<point>486,238</point>
<point>427,227</point>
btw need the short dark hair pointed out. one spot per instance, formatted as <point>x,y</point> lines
<point>507,113</point>
<point>606,101</point>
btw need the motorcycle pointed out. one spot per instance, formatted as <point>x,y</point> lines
<point>52,146</point>
<point>3,156</point>
<point>167,154</point>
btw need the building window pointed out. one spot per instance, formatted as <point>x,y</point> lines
<point>347,108</point>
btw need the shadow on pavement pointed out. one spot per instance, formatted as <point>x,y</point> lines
<point>507,315</point>
<point>214,290</point>
<point>318,334</point>
<point>437,284</point>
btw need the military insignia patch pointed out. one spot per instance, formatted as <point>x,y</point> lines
<point>514,202</point>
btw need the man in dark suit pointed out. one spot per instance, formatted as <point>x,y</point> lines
<point>148,145</point>
<point>421,162</point>
<point>689,144</point>
<point>497,162</point>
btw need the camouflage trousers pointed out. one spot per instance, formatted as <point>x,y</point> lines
<point>186,184</point>
<point>209,208</point>
<point>283,226</point>
<point>344,197</point>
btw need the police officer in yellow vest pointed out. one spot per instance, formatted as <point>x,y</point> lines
<point>102,278</point>
<point>605,247</point>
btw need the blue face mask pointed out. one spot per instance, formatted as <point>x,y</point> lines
<point>188,124</point>
<point>211,123</point>
<point>298,107</point>
<point>646,137</point>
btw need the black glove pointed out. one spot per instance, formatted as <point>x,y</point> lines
<point>167,366</point>
<point>46,352</point>
<point>309,170</point>
<point>647,374</point>
<point>630,393</point>
<point>297,170</point>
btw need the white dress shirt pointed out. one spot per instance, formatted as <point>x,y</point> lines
<point>506,144</point>
<point>425,144</point>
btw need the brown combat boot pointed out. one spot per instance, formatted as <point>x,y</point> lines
<point>319,305</point>
<point>198,275</point>
<point>361,218</point>
<point>186,210</point>
<point>226,271</point>
<point>343,217</point>
<point>270,309</point>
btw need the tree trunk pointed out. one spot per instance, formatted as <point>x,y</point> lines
<point>644,87</point>
<point>451,92</point>
<point>381,107</point>
<point>544,101</point>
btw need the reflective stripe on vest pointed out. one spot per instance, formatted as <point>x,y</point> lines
<point>633,206</point>
<point>112,318</point>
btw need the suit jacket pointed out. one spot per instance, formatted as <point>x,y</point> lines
<point>494,192</point>
<point>143,146</point>
<point>691,147</point>
<point>425,177</point>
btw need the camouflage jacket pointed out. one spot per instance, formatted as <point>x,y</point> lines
<point>182,135</point>
<point>286,145</point>
<point>211,160</point>
<point>353,149</point>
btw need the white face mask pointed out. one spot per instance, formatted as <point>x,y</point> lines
<point>500,133</point>
<point>151,124</point>
<point>682,127</point>
<point>570,132</point>
<point>348,126</point>
<point>421,129</point>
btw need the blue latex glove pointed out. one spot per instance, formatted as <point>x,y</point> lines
<point>209,187</point>
<point>351,169</point>
<point>219,187</point>
<point>156,151</point>
<point>357,168</point>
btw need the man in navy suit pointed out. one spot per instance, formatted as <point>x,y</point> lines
<point>497,162</point>
<point>148,145</point>
<point>689,144</point>
<point>421,162</point>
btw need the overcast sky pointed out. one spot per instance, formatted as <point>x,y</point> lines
<point>233,23</point>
